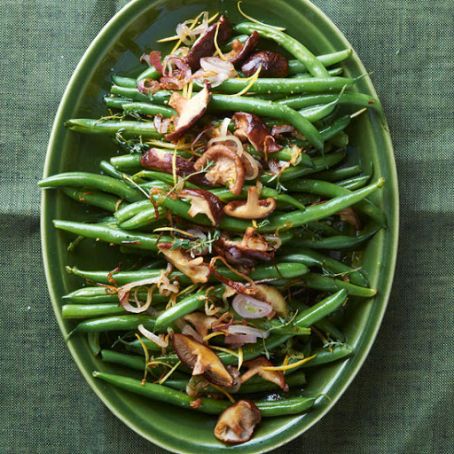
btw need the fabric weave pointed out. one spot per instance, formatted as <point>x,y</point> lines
<point>401,401</point>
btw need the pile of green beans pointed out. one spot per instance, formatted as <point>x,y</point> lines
<point>326,210</point>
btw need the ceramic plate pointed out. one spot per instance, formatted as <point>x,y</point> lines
<point>116,50</point>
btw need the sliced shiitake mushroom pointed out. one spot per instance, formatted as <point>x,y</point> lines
<point>253,247</point>
<point>201,322</point>
<point>272,64</point>
<point>237,423</point>
<point>189,111</point>
<point>204,46</point>
<point>255,367</point>
<point>203,202</point>
<point>250,127</point>
<point>226,167</point>
<point>196,269</point>
<point>161,160</point>
<point>202,360</point>
<point>240,51</point>
<point>253,207</point>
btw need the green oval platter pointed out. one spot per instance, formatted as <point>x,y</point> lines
<point>116,50</point>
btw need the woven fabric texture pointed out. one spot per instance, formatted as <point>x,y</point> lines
<point>402,400</point>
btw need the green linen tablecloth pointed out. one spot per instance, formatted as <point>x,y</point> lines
<point>402,400</point>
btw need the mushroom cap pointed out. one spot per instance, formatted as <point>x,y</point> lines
<point>237,423</point>
<point>189,110</point>
<point>201,359</point>
<point>227,168</point>
<point>196,269</point>
<point>273,64</point>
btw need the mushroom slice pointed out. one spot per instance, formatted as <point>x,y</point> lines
<point>226,167</point>
<point>241,50</point>
<point>237,423</point>
<point>255,367</point>
<point>203,202</point>
<point>189,110</point>
<point>252,247</point>
<point>272,64</point>
<point>274,297</point>
<point>200,322</point>
<point>196,269</point>
<point>236,254</point>
<point>204,46</point>
<point>202,360</point>
<point>250,127</point>
<point>253,208</point>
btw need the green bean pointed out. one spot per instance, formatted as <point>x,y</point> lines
<point>114,323</point>
<point>300,170</point>
<point>112,127</point>
<point>148,109</point>
<point>130,361</point>
<point>322,309</point>
<point>98,199</point>
<point>130,210</point>
<point>150,73</point>
<point>339,174</point>
<point>187,305</point>
<point>91,295</point>
<point>286,86</point>
<point>100,295</point>
<point>161,393</point>
<point>291,45</point>
<point>353,99</point>
<point>148,216</point>
<point>111,234</point>
<point>278,327</point>
<point>313,258</point>
<point>261,272</point>
<point>92,181</point>
<point>332,73</point>
<point>355,182</point>
<point>327,189</point>
<point>126,82</point>
<point>115,103</point>
<point>335,128</point>
<point>93,343</point>
<point>326,356</point>
<point>269,109</point>
<point>136,345</point>
<point>295,66</point>
<point>130,93</point>
<point>81,311</point>
<point>110,170</point>
<point>319,112</point>
<point>126,162</point>
<point>316,212</point>
<point>329,284</point>
<point>339,241</point>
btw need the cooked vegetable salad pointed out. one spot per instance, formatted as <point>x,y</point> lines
<point>234,195</point>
